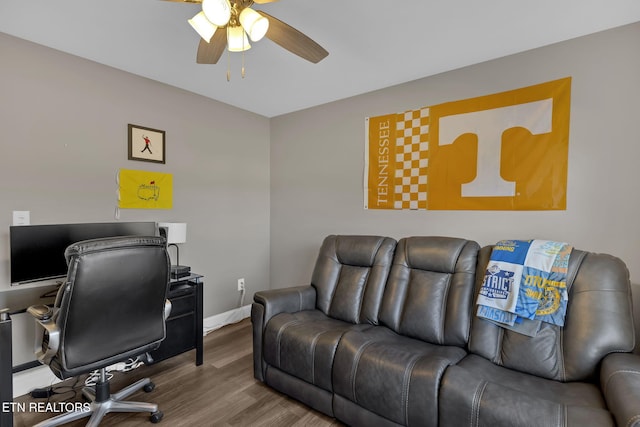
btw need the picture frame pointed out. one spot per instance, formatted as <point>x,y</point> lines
<point>147,144</point>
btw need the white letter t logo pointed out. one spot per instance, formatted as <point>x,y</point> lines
<point>488,126</point>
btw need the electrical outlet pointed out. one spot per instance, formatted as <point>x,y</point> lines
<point>241,284</point>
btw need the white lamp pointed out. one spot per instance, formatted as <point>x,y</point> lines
<point>201,24</point>
<point>176,233</point>
<point>218,12</point>
<point>237,39</point>
<point>254,24</point>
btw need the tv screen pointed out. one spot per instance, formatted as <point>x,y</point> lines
<point>37,251</point>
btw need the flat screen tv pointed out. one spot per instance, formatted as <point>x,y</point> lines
<point>37,251</point>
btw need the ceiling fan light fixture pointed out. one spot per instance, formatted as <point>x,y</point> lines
<point>254,24</point>
<point>218,12</point>
<point>237,39</point>
<point>203,26</point>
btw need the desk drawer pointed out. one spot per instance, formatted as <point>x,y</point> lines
<point>182,304</point>
<point>180,337</point>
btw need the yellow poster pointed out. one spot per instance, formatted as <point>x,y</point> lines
<point>144,190</point>
<point>505,151</point>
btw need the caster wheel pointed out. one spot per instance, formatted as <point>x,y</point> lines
<point>149,387</point>
<point>156,417</point>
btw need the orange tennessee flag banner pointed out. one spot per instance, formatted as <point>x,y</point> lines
<point>505,151</point>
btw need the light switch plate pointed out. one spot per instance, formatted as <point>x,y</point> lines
<point>21,217</point>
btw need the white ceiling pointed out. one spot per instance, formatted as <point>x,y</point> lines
<point>372,44</point>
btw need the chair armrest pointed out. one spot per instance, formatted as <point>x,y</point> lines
<point>41,312</point>
<point>620,382</point>
<point>47,332</point>
<point>269,303</point>
<point>167,309</point>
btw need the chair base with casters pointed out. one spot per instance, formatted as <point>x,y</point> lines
<point>102,402</point>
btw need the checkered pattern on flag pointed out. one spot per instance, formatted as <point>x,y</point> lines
<point>397,160</point>
<point>412,145</point>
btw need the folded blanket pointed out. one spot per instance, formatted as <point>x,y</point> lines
<point>525,279</point>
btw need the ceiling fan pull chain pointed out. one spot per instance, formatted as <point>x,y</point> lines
<point>228,60</point>
<point>243,49</point>
<point>242,71</point>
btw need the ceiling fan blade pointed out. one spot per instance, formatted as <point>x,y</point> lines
<point>209,53</point>
<point>293,40</point>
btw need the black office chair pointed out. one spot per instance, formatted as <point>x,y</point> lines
<point>111,307</point>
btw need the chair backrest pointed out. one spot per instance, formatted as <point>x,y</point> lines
<point>430,289</point>
<point>598,321</point>
<point>350,275</point>
<point>111,306</point>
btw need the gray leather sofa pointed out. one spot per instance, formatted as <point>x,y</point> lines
<point>385,335</point>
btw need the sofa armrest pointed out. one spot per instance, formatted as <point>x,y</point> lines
<point>635,297</point>
<point>286,300</point>
<point>269,303</point>
<point>620,382</point>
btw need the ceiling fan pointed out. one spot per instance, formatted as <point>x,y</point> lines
<point>226,24</point>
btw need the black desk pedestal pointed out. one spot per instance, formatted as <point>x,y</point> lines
<point>184,325</point>
<point>6,376</point>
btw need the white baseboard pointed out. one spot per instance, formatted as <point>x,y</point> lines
<point>230,317</point>
<point>38,377</point>
<point>41,376</point>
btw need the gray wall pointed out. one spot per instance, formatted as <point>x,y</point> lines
<point>317,159</point>
<point>259,195</point>
<point>64,136</point>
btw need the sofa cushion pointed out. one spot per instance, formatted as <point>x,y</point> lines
<point>599,321</point>
<point>350,275</point>
<point>391,375</point>
<point>303,344</point>
<point>429,293</point>
<point>477,392</point>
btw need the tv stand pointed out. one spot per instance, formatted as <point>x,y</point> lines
<point>184,325</point>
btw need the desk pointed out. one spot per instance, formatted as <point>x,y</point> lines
<point>184,325</point>
<point>17,299</point>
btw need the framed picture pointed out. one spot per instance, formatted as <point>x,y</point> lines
<point>146,144</point>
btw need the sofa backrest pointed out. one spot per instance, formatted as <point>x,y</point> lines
<point>598,321</point>
<point>350,275</point>
<point>430,289</point>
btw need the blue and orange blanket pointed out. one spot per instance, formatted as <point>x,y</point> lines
<point>525,279</point>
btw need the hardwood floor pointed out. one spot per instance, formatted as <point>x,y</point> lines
<point>221,392</point>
